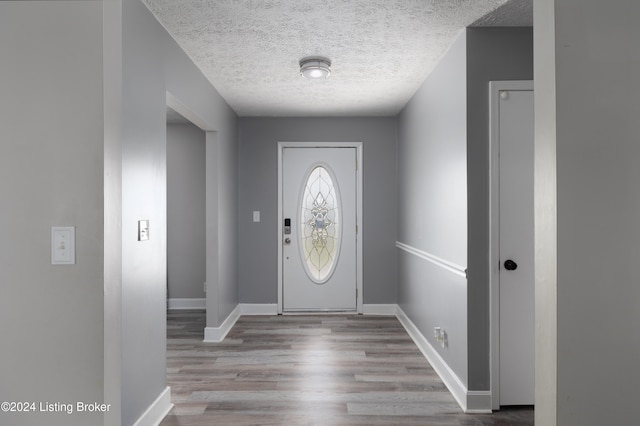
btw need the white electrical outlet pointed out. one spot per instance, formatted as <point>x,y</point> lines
<point>437,333</point>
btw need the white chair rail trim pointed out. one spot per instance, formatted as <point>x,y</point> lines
<point>438,261</point>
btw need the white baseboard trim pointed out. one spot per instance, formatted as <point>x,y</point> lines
<point>259,309</point>
<point>177,304</point>
<point>157,410</point>
<point>217,334</point>
<point>380,309</point>
<point>469,401</point>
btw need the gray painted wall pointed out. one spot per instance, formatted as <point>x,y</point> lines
<point>493,54</point>
<point>50,175</point>
<point>444,157</point>
<point>432,186</point>
<point>186,219</point>
<point>227,283</point>
<point>258,189</point>
<point>597,140</point>
<point>143,197</point>
<point>152,64</point>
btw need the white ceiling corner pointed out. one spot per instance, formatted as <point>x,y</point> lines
<point>381,50</point>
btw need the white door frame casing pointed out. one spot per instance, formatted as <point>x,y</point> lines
<point>359,156</point>
<point>495,87</point>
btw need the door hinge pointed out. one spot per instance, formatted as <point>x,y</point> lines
<point>356,165</point>
<point>356,294</point>
<point>356,229</point>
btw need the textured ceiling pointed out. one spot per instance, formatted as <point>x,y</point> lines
<point>514,13</point>
<point>381,50</point>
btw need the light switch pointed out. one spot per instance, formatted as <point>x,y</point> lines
<point>143,230</point>
<point>256,216</point>
<point>63,245</point>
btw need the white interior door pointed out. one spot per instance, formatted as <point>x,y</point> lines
<point>516,276</point>
<point>319,229</point>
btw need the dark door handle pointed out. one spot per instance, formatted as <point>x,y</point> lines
<point>510,265</point>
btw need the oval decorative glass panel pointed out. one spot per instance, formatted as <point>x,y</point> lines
<point>320,209</point>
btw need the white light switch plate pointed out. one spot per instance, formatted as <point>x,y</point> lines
<point>256,216</point>
<point>63,245</point>
<point>143,230</point>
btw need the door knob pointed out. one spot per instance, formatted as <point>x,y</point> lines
<point>287,240</point>
<point>510,265</point>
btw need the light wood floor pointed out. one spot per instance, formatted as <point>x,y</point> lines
<point>309,370</point>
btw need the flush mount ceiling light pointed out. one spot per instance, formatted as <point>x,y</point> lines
<point>315,67</point>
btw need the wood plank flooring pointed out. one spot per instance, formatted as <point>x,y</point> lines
<point>309,370</point>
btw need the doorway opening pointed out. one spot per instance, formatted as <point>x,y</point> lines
<point>205,229</point>
<point>186,213</point>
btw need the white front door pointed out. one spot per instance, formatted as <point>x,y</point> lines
<point>516,276</point>
<point>319,229</point>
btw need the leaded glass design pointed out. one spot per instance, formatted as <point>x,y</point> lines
<point>320,223</point>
